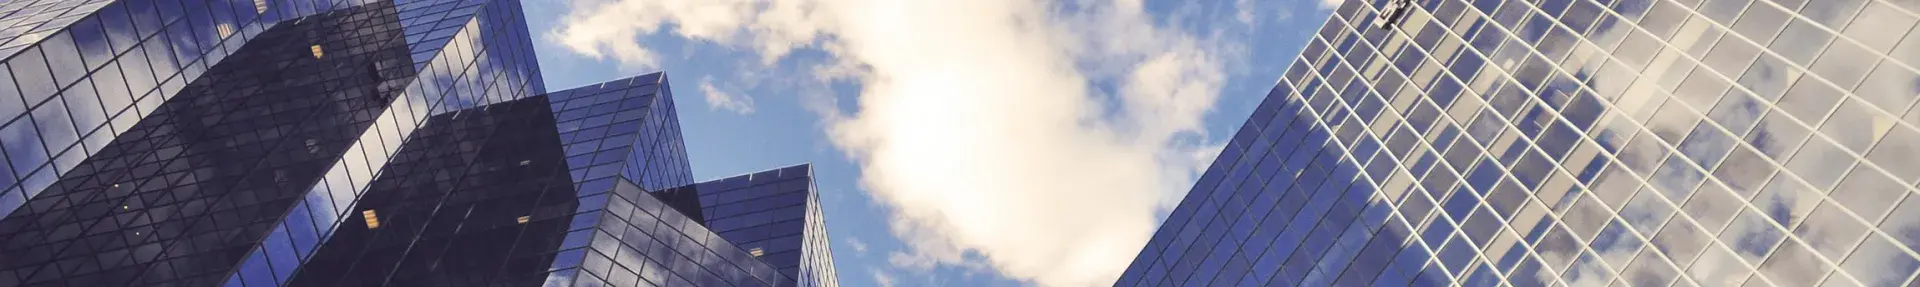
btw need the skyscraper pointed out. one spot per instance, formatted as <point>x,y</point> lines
<point>774,214</point>
<point>1570,143</point>
<point>324,143</point>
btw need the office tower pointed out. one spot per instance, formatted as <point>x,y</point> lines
<point>773,214</point>
<point>623,147</point>
<point>481,193</point>
<point>487,195</point>
<point>1570,143</point>
<point>177,186</point>
<point>300,142</point>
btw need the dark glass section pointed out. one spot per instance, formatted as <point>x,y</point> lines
<point>626,128</point>
<point>356,142</point>
<point>685,199</point>
<point>773,215</point>
<point>477,196</point>
<point>471,53</point>
<point>101,66</point>
<point>182,195</point>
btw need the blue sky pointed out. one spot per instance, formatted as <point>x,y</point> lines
<point>972,143</point>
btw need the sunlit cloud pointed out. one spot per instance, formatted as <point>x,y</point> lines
<point>722,100</point>
<point>882,278</point>
<point>1331,3</point>
<point>859,247</point>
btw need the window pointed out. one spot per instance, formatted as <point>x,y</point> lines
<point>373,220</point>
<point>260,6</point>
<point>316,52</point>
<point>224,30</point>
<point>522,219</point>
<point>756,252</point>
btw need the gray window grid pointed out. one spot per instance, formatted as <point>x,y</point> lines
<point>1669,148</point>
<point>1599,126</point>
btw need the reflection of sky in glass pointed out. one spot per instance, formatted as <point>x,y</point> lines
<point>76,74</point>
<point>133,50</point>
<point>1705,143</point>
<point>449,79</point>
<point>623,135</point>
<point>26,22</point>
<point>775,211</point>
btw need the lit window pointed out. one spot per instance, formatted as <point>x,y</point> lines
<point>224,29</point>
<point>526,162</point>
<point>260,6</point>
<point>756,252</point>
<point>316,52</point>
<point>373,220</point>
<point>522,220</point>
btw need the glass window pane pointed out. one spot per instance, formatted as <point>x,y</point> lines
<point>1878,26</point>
<point>1761,22</point>
<point>31,74</point>
<point>22,143</point>
<point>1794,265</point>
<point>1855,125</point>
<point>1810,101</point>
<point>1801,41</point>
<point>56,127</point>
<point>1890,87</point>
<point>10,104</point>
<point>1845,63</point>
<point>1878,262</point>
<point>63,58</point>
<point>1831,231</point>
<point>1868,192</point>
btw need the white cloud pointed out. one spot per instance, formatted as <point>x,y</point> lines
<point>979,123</point>
<point>859,247</point>
<point>1330,4</point>
<point>882,278</point>
<point>717,99</point>
<point>609,28</point>
<point>1243,11</point>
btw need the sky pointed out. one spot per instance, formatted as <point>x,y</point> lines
<point>955,143</point>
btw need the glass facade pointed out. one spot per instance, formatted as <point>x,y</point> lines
<point>622,141</point>
<point>102,66</point>
<point>477,196</point>
<point>774,214</point>
<point>323,142</point>
<point>1570,143</point>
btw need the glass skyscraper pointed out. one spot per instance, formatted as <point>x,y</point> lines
<point>774,214</point>
<point>1570,143</point>
<point>329,143</point>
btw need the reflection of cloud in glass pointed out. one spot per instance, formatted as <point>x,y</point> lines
<point>1733,131</point>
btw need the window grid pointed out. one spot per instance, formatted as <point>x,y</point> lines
<point>1559,145</point>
